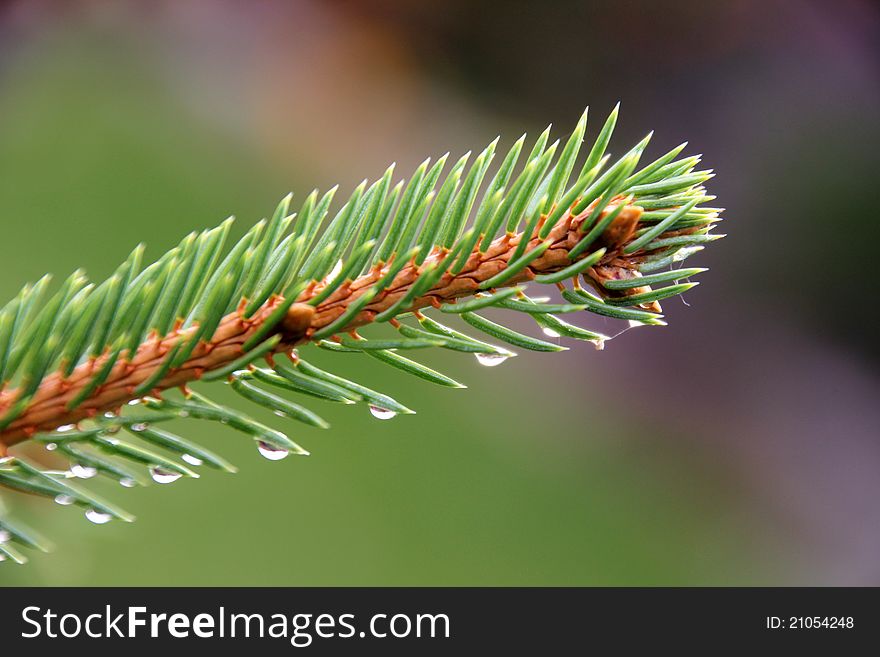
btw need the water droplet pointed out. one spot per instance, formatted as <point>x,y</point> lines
<point>51,447</point>
<point>64,500</point>
<point>491,360</point>
<point>4,536</point>
<point>280,414</point>
<point>98,517</point>
<point>271,452</point>
<point>127,482</point>
<point>381,413</point>
<point>183,414</point>
<point>550,332</point>
<point>134,402</point>
<point>162,476</point>
<point>139,426</point>
<point>109,415</point>
<point>82,471</point>
<point>66,427</point>
<point>192,460</point>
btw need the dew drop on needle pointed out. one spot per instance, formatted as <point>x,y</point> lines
<point>163,476</point>
<point>82,471</point>
<point>381,413</point>
<point>192,460</point>
<point>271,452</point>
<point>98,517</point>
<point>491,360</point>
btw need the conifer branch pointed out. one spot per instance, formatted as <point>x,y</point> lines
<point>72,363</point>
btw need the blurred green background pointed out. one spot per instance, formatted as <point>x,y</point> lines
<point>737,446</point>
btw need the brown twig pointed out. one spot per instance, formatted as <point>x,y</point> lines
<point>47,410</point>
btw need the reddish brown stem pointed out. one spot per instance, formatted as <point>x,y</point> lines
<point>48,410</point>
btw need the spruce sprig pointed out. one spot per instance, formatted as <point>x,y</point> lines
<point>91,370</point>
